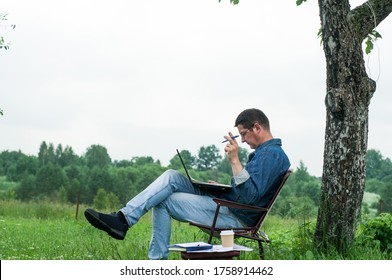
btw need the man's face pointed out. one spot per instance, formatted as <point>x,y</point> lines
<point>247,136</point>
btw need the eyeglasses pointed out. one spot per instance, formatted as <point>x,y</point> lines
<point>244,132</point>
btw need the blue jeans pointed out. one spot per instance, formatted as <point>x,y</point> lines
<point>171,195</point>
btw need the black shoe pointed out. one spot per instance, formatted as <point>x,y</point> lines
<point>113,224</point>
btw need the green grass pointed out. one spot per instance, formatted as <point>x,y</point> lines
<point>51,232</point>
<point>48,231</point>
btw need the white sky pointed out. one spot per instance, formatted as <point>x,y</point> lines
<point>143,78</point>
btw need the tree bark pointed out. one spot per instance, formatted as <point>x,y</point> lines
<point>348,94</point>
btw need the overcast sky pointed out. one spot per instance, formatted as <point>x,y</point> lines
<point>146,77</point>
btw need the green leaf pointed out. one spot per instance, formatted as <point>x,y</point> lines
<point>372,37</point>
<point>299,2</point>
<point>369,45</point>
<point>235,2</point>
<point>375,34</point>
<point>320,35</point>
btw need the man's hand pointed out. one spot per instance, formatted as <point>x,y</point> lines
<point>232,154</point>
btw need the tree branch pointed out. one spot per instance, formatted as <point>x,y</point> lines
<point>369,15</point>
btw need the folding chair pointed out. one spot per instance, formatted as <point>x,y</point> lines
<point>253,232</point>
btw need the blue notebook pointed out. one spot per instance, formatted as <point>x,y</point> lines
<point>190,247</point>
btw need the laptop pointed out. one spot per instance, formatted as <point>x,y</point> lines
<point>203,185</point>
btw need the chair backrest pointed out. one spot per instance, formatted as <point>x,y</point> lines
<point>271,203</point>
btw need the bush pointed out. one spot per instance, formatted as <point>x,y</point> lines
<point>294,207</point>
<point>106,200</point>
<point>377,231</point>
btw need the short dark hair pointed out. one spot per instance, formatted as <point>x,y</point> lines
<point>249,117</point>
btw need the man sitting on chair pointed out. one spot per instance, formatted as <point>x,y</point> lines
<point>172,195</point>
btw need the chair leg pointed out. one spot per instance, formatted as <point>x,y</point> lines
<point>214,224</point>
<point>261,250</point>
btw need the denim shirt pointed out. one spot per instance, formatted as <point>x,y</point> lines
<point>258,181</point>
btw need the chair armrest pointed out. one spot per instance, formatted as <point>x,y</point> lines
<point>232,204</point>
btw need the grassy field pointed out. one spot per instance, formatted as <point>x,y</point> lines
<point>47,231</point>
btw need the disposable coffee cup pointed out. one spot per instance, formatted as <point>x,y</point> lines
<point>227,237</point>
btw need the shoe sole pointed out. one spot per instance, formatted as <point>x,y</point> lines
<point>91,216</point>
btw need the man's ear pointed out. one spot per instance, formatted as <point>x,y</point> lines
<point>257,127</point>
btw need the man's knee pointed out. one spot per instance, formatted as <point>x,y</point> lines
<point>171,172</point>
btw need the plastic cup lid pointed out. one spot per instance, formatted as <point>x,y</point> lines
<point>227,232</point>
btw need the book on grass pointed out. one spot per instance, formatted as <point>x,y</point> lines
<point>190,247</point>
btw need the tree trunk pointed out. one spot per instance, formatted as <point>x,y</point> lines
<point>347,100</point>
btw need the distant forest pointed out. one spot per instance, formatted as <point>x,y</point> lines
<point>57,174</point>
